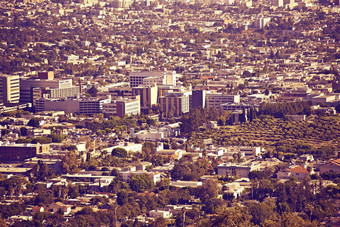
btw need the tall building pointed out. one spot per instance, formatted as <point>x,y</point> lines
<point>148,95</point>
<point>150,78</point>
<point>128,107</point>
<point>9,89</point>
<point>278,3</point>
<point>198,98</point>
<point>174,104</point>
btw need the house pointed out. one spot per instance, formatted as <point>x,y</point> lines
<point>306,158</point>
<point>298,172</point>
<point>331,166</point>
<point>176,154</point>
<point>248,151</point>
<point>129,147</point>
<point>233,189</point>
<point>36,209</point>
<point>296,117</point>
<point>126,175</point>
<point>160,213</point>
<point>182,184</point>
<point>142,165</point>
<point>55,207</point>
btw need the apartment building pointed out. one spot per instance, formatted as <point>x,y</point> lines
<point>233,169</point>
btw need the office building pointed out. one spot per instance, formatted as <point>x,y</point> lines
<point>215,100</point>
<point>160,78</point>
<point>197,99</point>
<point>122,107</point>
<point>148,95</point>
<point>20,152</point>
<point>85,106</point>
<point>92,106</point>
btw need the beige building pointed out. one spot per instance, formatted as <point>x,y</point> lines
<point>148,95</point>
<point>174,104</point>
<point>9,89</point>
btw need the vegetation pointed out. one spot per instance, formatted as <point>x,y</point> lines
<point>317,136</point>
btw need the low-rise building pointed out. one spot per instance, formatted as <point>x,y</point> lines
<point>233,169</point>
<point>184,184</point>
<point>298,172</point>
<point>20,152</point>
<point>331,166</point>
<point>160,213</point>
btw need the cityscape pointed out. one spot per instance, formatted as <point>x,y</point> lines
<point>170,113</point>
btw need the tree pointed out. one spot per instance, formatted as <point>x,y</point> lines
<point>257,175</point>
<point>233,216</point>
<point>267,92</point>
<point>13,185</point>
<point>41,171</point>
<point>208,191</point>
<point>119,152</point>
<point>337,108</point>
<point>34,122</point>
<point>44,197</point>
<point>70,162</point>
<point>93,91</point>
<point>159,222</point>
<point>122,197</point>
<point>5,131</point>
<point>187,170</point>
<point>141,183</point>
<point>56,138</point>
<point>23,131</point>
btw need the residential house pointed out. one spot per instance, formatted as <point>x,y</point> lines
<point>298,172</point>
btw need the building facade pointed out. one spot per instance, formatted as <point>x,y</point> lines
<point>215,100</point>
<point>9,89</point>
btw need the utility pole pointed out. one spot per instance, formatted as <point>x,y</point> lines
<point>116,215</point>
